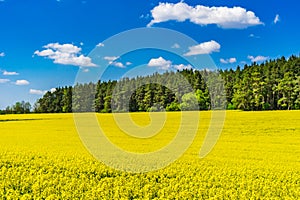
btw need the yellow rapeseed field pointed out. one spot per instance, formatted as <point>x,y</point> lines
<point>256,157</point>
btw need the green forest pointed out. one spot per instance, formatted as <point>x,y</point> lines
<point>272,85</point>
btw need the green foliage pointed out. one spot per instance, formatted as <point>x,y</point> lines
<point>18,108</point>
<point>203,99</point>
<point>230,106</point>
<point>273,85</point>
<point>174,106</point>
<point>189,102</point>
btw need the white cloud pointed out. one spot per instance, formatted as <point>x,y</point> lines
<point>41,92</point>
<point>111,58</point>
<point>145,16</point>
<point>164,64</point>
<point>232,60</point>
<point>4,80</point>
<point>204,48</point>
<point>160,63</point>
<point>63,48</point>
<point>37,92</point>
<point>6,73</point>
<point>46,53</point>
<point>76,61</point>
<point>229,60</point>
<point>100,45</point>
<point>128,63</point>
<point>118,64</point>
<point>81,43</point>
<point>223,61</point>
<point>276,19</point>
<point>182,66</point>
<point>111,61</point>
<point>85,70</point>
<point>2,54</point>
<point>22,82</point>
<point>65,54</point>
<point>175,46</point>
<point>253,36</point>
<point>224,17</point>
<point>258,58</point>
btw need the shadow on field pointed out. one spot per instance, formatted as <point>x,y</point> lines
<point>19,120</point>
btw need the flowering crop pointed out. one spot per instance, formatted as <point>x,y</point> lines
<point>257,156</point>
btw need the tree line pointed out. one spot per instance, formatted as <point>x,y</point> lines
<point>171,91</point>
<point>272,85</point>
<point>18,108</point>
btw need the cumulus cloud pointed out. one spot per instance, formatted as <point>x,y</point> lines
<point>164,64</point>
<point>229,60</point>
<point>112,61</point>
<point>204,48</point>
<point>146,16</point>
<point>37,92</point>
<point>41,92</point>
<point>160,62</point>
<point>182,67</point>
<point>65,54</point>
<point>22,82</point>
<point>6,73</point>
<point>4,80</point>
<point>276,19</point>
<point>224,17</point>
<point>85,70</point>
<point>100,45</point>
<point>118,64</point>
<point>111,58</point>
<point>2,54</point>
<point>253,36</point>
<point>258,58</point>
<point>175,46</point>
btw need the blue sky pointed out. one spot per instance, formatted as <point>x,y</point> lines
<point>43,44</point>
